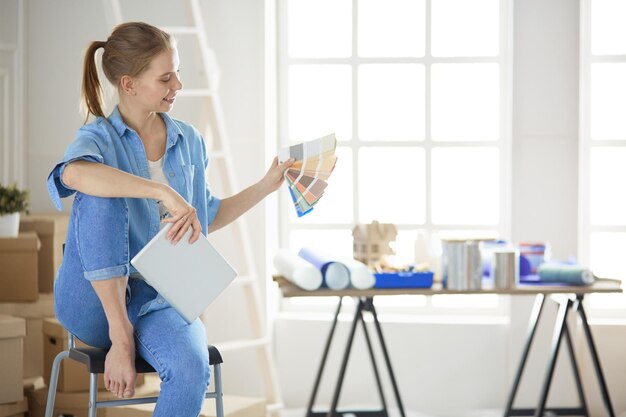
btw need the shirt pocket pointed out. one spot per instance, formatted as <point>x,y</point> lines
<point>188,178</point>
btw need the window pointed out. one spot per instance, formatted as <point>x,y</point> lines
<point>418,95</point>
<point>602,231</point>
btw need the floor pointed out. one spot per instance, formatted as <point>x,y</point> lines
<point>394,413</point>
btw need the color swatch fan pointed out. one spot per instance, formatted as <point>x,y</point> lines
<point>314,162</point>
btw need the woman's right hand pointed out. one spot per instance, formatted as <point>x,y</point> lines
<point>183,217</point>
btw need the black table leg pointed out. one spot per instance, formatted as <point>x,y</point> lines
<point>374,365</point>
<point>370,307</point>
<point>556,343</point>
<point>572,355</point>
<point>318,378</point>
<point>364,304</point>
<point>594,357</point>
<point>532,329</point>
<point>344,363</point>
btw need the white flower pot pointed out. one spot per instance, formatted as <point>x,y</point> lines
<point>9,225</point>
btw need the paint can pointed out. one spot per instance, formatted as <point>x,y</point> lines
<point>487,248</point>
<point>461,265</point>
<point>505,268</point>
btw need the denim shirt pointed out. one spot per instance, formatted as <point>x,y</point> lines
<point>110,141</point>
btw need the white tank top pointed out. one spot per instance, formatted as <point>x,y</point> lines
<point>156,173</point>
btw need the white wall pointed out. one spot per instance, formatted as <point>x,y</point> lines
<point>440,367</point>
<point>545,155</point>
<point>545,123</point>
<point>12,48</point>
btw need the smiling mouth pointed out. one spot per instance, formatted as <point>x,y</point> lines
<point>170,100</point>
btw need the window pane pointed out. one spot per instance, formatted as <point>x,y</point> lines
<point>391,28</point>
<point>465,186</point>
<point>391,185</point>
<point>607,27</point>
<point>465,102</point>
<point>465,27</point>
<point>319,101</point>
<point>391,102</point>
<point>334,241</point>
<point>608,174</point>
<point>335,206</point>
<point>607,254</point>
<point>608,101</point>
<point>319,28</point>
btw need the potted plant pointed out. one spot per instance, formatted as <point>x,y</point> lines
<point>12,202</point>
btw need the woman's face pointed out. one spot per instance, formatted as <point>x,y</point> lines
<point>156,87</point>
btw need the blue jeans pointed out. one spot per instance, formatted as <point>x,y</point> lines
<point>97,243</point>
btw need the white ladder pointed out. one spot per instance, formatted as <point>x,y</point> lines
<point>220,150</point>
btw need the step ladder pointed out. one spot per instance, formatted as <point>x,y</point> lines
<point>214,129</point>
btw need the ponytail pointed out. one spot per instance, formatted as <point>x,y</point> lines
<point>92,89</point>
<point>128,51</point>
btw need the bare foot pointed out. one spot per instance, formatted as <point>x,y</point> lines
<point>119,370</point>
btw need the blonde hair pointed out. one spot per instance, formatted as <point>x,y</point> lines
<point>128,51</point>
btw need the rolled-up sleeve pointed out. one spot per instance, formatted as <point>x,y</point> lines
<point>213,205</point>
<point>84,147</point>
<point>212,202</point>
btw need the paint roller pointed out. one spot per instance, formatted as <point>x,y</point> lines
<point>568,274</point>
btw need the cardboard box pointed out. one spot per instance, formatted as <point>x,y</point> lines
<point>33,313</point>
<point>16,409</point>
<point>51,228</point>
<point>233,407</point>
<point>12,331</point>
<point>33,383</point>
<point>18,275</point>
<point>73,375</point>
<point>77,403</point>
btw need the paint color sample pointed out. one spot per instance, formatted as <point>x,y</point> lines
<point>307,177</point>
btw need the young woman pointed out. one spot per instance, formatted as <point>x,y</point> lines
<point>131,172</point>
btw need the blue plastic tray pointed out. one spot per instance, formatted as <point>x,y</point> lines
<point>420,279</point>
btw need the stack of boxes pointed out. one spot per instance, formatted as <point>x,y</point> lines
<point>29,263</point>
<point>12,401</point>
<point>21,314</point>
<point>30,336</point>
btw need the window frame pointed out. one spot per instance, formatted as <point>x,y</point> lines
<point>586,145</point>
<point>503,144</point>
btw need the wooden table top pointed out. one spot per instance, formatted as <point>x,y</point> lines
<point>289,289</point>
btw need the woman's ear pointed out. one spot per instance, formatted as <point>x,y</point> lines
<point>127,85</point>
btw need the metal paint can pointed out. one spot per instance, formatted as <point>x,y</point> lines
<point>461,265</point>
<point>505,268</point>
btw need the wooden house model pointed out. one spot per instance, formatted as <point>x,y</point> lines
<point>373,241</point>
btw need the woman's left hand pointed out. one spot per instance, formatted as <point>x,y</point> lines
<point>275,176</point>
